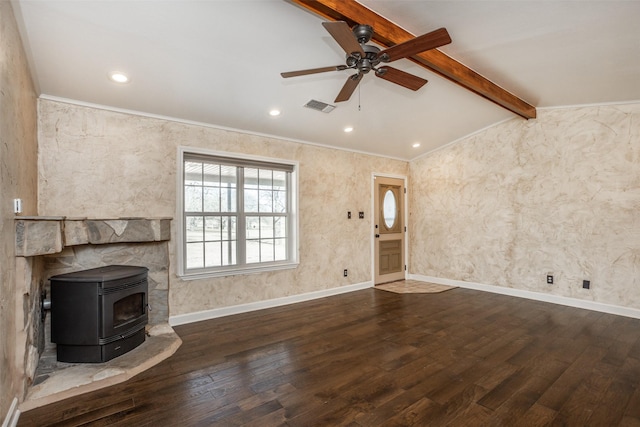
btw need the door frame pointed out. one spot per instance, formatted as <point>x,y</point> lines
<point>373,225</point>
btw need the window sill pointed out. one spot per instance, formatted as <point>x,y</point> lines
<point>238,271</point>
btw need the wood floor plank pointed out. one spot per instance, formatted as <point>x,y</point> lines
<point>98,416</point>
<point>575,375</point>
<point>503,391</point>
<point>632,411</point>
<point>374,358</point>
<point>379,415</point>
<point>610,409</point>
<point>538,416</point>
<point>629,422</point>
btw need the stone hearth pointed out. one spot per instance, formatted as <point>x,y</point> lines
<point>72,379</point>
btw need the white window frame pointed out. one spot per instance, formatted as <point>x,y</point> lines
<point>292,230</point>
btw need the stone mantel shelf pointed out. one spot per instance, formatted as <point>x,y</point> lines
<point>44,235</point>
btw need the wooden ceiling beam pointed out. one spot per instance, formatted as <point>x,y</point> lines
<point>388,34</point>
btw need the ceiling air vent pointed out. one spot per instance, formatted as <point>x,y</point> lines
<point>320,106</point>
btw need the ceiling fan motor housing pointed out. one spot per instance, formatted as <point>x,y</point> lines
<point>366,63</point>
<point>363,33</point>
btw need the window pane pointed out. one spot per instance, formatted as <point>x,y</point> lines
<point>389,208</point>
<point>250,178</point>
<point>193,199</point>
<point>192,173</point>
<point>279,180</point>
<point>228,176</point>
<point>228,199</point>
<point>253,227</point>
<point>280,249</point>
<point>194,229</point>
<point>212,228</point>
<point>213,254</point>
<point>266,180</point>
<point>253,251</point>
<point>229,228</point>
<point>251,200</point>
<point>266,227</point>
<point>195,255</point>
<point>280,201</point>
<point>266,250</point>
<point>279,226</point>
<point>228,253</point>
<point>211,174</point>
<point>211,199</point>
<point>266,201</point>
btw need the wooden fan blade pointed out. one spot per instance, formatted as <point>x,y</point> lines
<point>401,78</point>
<point>342,34</point>
<point>349,87</point>
<point>428,41</point>
<point>313,71</point>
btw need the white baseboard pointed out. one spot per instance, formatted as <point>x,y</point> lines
<point>538,296</point>
<point>11,420</point>
<point>182,319</point>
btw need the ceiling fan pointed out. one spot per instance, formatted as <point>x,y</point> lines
<point>364,58</point>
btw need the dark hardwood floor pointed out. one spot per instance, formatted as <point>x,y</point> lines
<point>373,358</point>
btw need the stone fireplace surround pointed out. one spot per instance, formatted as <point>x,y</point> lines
<point>48,246</point>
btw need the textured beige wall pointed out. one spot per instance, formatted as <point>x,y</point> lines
<point>97,163</point>
<point>558,194</point>
<point>17,180</point>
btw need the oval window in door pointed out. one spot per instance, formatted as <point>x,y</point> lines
<point>389,208</point>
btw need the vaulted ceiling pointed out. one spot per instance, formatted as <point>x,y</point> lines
<point>218,63</point>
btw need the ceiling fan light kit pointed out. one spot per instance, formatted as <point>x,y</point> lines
<point>364,58</point>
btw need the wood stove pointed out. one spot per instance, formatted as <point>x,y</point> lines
<point>98,314</point>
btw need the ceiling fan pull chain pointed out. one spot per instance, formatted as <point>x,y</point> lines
<point>359,109</point>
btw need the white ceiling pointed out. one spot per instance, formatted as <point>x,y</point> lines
<point>219,62</point>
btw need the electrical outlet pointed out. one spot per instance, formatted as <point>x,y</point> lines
<point>586,284</point>
<point>550,279</point>
<point>349,215</point>
<point>345,272</point>
<point>361,215</point>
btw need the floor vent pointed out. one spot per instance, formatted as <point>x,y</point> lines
<point>320,106</point>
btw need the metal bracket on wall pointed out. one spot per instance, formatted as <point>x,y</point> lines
<point>45,305</point>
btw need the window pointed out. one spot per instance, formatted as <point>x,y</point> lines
<point>237,214</point>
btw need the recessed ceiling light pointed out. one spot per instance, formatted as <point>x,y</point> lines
<point>274,113</point>
<point>416,145</point>
<point>348,129</point>
<point>118,77</point>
